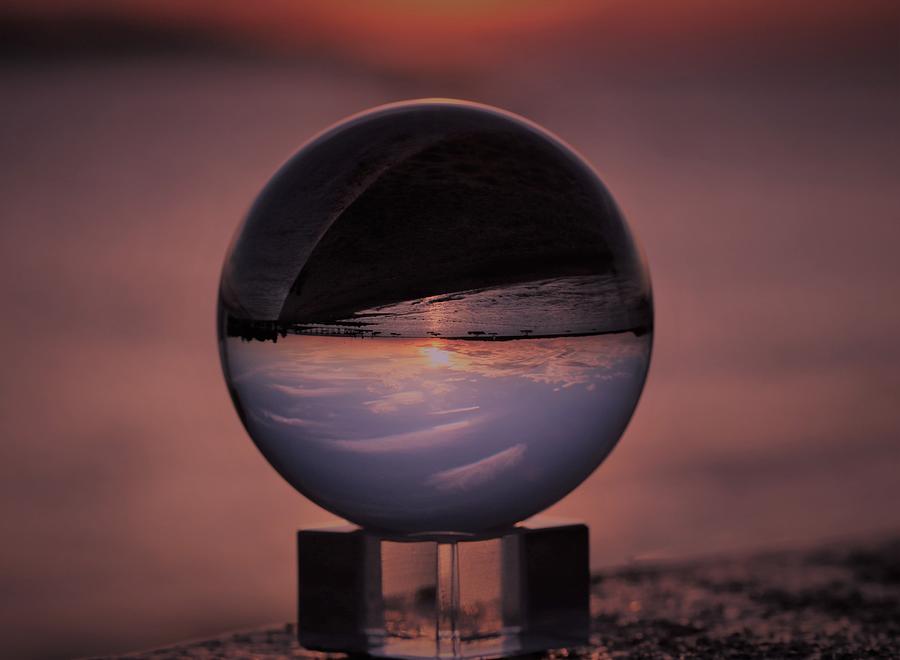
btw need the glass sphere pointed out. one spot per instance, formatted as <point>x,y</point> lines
<point>434,318</point>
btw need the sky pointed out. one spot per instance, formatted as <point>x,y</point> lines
<point>754,152</point>
<point>417,435</point>
<point>463,37</point>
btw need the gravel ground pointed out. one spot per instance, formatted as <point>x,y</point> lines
<point>835,601</point>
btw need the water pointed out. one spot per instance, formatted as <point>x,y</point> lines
<point>555,306</point>
<point>575,305</point>
<point>428,434</point>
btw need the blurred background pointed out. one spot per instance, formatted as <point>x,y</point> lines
<point>754,147</point>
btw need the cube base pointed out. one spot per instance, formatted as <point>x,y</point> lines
<point>521,591</point>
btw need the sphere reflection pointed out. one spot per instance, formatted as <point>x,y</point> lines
<point>435,319</point>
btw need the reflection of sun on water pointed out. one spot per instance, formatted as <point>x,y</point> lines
<point>435,320</point>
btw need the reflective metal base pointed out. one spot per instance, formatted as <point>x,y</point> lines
<point>444,596</point>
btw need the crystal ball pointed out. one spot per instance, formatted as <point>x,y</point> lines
<point>435,319</point>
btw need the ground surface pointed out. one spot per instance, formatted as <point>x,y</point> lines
<point>838,601</point>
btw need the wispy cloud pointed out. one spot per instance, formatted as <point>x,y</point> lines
<point>477,473</point>
<point>419,439</point>
<point>392,402</point>
<point>268,416</point>
<point>299,390</point>
<point>453,411</point>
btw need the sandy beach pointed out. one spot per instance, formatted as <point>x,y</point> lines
<point>839,599</point>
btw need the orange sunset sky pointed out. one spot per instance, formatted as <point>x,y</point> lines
<point>461,35</point>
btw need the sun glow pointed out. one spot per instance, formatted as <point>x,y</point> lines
<point>437,357</point>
